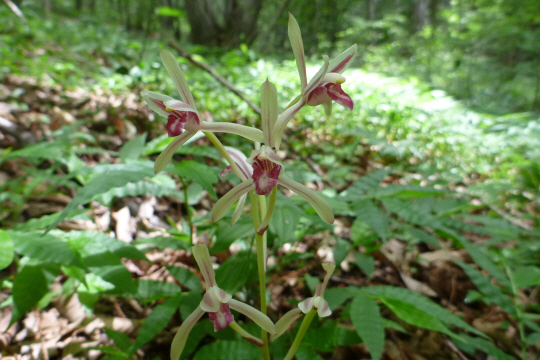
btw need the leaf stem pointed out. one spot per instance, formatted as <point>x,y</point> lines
<point>300,335</point>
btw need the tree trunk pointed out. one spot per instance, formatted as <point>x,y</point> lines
<point>371,10</point>
<point>236,22</point>
<point>420,14</point>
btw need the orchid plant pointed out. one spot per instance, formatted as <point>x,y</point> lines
<point>259,175</point>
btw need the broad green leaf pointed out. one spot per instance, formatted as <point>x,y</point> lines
<point>423,303</point>
<point>526,276</point>
<point>365,183</point>
<point>337,296</point>
<point>92,243</point>
<point>341,250</point>
<point>237,271</point>
<point>480,257</point>
<point>403,191</point>
<point>156,321</point>
<point>118,176</point>
<point>199,173</point>
<point>186,278</point>
<point>406,210</point>
<point>30,285</point>
<point>162,242</point>
<point>229,350</point>
<point>482,345</point>
<point>120,339</point>
<point>44,221</point>
<point>414,316</point>
<point>47,248</point>
<point>365,262</point>
<point>6,250</point>
<point>151,290</point>
<point>368,322</point>
<point>109,267</point>
<point>138,189</point>
<point>227,234</point>
<point>421,235</point>
<point>372,215</point>
<point>133,148</point>
<point>491,291</point>
<point>284,220</point>
<point>305,352</point>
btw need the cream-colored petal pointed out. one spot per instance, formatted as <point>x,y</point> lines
<point>179,80</point>
<point>258,317</point>
<point>269,108</point>
<point>223,205</point>
<point>321,207</point>
<point>286,321</point>
<point>202,257</point>
<point>181,336</point>
<point>297,45</point>
<point>249,133</point>
<point>165,157</point>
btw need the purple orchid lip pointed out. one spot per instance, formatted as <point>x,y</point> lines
<point>265,175</point>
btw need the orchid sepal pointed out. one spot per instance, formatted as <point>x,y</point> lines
<point>321,207</point>
<point>286,321</point>
<point>156,102</point>
<point>258,317</point>
<point>342,61</point>
<point>295,37</point>
<point>226,202</point>
<point>236,129</point>
<point>179,80</point>
<point>165,157</point>
<point>179,341</point>
<point>268,110</point>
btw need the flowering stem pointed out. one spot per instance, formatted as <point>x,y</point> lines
<point>261,268</point>
<point>300,335</point>
<point>213,138</point>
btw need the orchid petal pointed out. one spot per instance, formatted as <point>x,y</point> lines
<point>329,268</point>
<point>321,207</point>
<point>317,79</point>
<point>156,102</point>
<point>210,302</point>
<point>333,78</point>
<point>179,105</point>
<point>339,96</point>
<point>226,202</point>
<point>319,96</point>
<point>221,294</point>
<point>258,317</point>
<point>221,318</point>
<point>268,110</point>
<point>306,305</point>
<point>239,208</point>
<point>202,257</point>
<point>283,119</point>
<point>241,160</point>
<point>295,37</point>
<point>164,158</point>
<point>181,336</point>
<point>177,76</point>
<point>231,128</point>
<point>286,321</point>
<point>327,108</point>
<point>323,309</point>
<point>342,61</point>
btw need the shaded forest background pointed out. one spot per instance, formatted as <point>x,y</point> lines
<point>434,178</point>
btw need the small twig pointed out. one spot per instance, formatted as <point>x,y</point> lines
<point>218,77</point>
<point>453,347</point>
<point>15,9</point>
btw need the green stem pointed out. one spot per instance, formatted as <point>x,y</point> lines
<point>252,339</point>
<point>213,138</point>
<point>300,335</point>
<point>188,212</point>
<point>260,266</point>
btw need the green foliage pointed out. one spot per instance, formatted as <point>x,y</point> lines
<point>368,322</point>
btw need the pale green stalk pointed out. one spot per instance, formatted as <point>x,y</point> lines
<point>213,138</point>
<point>300,335</point>
<point>260,266</point>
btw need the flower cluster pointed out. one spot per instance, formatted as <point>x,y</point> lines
<point>259,174</point>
